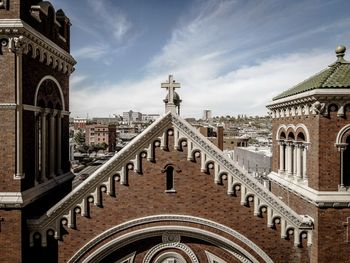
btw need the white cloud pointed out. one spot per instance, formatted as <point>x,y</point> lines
<point>111,19</point>
<point>91,52</point>
<point>248,88</point>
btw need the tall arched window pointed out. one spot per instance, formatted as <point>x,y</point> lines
<point>346,164</point>
<point>49,99</point>
<point>169,173</point>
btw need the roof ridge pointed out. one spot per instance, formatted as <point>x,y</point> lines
<point>333,69</point>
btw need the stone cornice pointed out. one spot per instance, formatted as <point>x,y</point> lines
<point>22,199</point>
<point>48,51</point>
<point>318,198</point>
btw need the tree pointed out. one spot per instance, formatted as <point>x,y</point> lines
<point>79,138</point>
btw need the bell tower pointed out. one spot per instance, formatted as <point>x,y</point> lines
<point>34,114</point>
<point>310,170</point>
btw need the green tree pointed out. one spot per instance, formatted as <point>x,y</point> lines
<point>79,138</point>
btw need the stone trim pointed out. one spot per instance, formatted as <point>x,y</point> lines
<point>160,230</point>
<point>57,57</point>
<point>165,245</point>
<point>22,199</point>
<point>8,106</point>
<point>318,198</point>
<point>58,85</point>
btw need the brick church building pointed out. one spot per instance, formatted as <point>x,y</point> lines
<point>170,195</point>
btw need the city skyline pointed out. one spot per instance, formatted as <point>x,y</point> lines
<point>230,56</point>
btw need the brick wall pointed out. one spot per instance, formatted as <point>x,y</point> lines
<point>196,195</point>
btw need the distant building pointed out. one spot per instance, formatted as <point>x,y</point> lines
<point>256,160</point>
<point>230,143</point>
<point>105,120</point>
<point>101,133</point>
<point>207,115</point>
<point>79,123</point>
<point>150,117</point>
<point>131,116</point>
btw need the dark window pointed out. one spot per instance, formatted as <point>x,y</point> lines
<point>169,178</point>
<point>346,164</point>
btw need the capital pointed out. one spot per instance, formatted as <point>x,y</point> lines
<point>16,44</point>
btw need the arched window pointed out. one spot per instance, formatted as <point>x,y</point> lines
<point>169,173</point>
<point>346,164</point>
<point>292,151</point>
<point>49,99</point>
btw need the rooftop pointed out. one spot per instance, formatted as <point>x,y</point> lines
<point>337,75</point>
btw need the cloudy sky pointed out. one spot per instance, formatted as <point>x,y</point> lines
<point>230,56</point>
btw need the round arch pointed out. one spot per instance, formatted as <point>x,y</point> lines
<point>49,77</point>
<point>183,230</point>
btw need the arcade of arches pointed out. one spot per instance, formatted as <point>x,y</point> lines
<point>48,126</point>
<point>293,153</point>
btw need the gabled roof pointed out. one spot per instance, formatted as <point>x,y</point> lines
<point>336,75</point>
<point>225,169</point>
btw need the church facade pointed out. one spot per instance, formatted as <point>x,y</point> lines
<point>170,195</point>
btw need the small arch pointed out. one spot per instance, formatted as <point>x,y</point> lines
<point>333,107</point>
<point>49,77</point>
<point>169,178</point>
<point>300,136</point>
<point>291,136</point>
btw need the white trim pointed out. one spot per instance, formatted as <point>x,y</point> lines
<point>314,92</point>
<point>211,257</point>
<point>294,128</point>
<point>341,133</point>
<point>168,217</point>
<point>8,106</point>
<point>18,23</point>
<point>59,88</point>
<point>116,243</point>
<point>21,199</point>
<point>319,198</point>
<point>129,258</point>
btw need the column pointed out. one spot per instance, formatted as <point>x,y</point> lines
<point>305,177</point>
<point>43,145</point>
<point>281,168</point>
<point>294,159</point>
<point>290,159</point>
<point>299,162</point>
<point>341,148</point>
<point>52,144</point>
<point>59,142</point>
<point>37,146</point>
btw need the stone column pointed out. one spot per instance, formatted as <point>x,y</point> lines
<point>341,148</point>
<point>290,159</point>
<point>43,145</point>
<point>304,173</point>
<point>59,142</point>
<point>299,161</point>
<point>282,153</point>
<point>295,160</point>
<point>52,143</point>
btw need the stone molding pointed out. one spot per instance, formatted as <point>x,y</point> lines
<point>209,236</point>
<point>8,106</point>
<point>41,46</point>
<point>116,168</point>
<point>314,102</point>
<point>176,244</point>
<point>22,199</point>
<point>322,199</point>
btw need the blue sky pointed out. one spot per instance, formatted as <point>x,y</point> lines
<point>230,56</point>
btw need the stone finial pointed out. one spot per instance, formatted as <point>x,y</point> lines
<point>340,52</point>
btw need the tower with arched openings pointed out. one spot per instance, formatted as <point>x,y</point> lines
<point>311,171</point>
<point>34,114</point>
